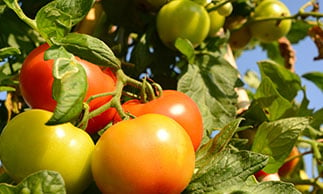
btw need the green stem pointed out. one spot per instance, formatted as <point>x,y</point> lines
<point>315,146</point>
<point>17,9</point>
<point>313,181</point>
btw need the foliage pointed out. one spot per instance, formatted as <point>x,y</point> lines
<point>124,37</point>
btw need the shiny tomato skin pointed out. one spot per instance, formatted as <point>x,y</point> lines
<point>288,167</point>
<point>182,19</point>
<point>148,154</point>
<point>175,105</point>
<point>28,145</point>
<point>272,30</point>
<point>36,82</point>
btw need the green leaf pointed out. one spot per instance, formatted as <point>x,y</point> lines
<point>140,55</point>
<point>287,83</point>
<point>227,171</point>
<point>316,78</point>
<point>216,145</point>
<point>69,87</point>
<point>45,181</point>
<point>299,31</point>
<point>270,187</point>
<point>276,139</point>
<point>273,52</point>
<point>267,98</point>
<point>89,48</point>
<point>252,79</point>
<point>58,17</point>
<point>210,83</point>
<point>186,48</point>
<point>8,51</point>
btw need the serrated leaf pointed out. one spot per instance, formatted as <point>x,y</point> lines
<point>228,171</point>
<point>89,48</point>
<point>186,48</point>
<point>69,87</point>
<point>276,139</point>
<point>8,51</point>
<point>210,83</point>
<point>270,102</point>
<point>298,31</point>
<point>217,144</point>
<point>270,187</point>
<point>316,78</point>
<point>58,17</point>
<point>287,83</point>
<point>39,182</point>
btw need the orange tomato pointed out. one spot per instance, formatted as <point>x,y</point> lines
<point>149,154</point>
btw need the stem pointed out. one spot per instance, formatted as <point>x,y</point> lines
<point>314,144</point>
<point>313,181</point>
<point>17,9</point>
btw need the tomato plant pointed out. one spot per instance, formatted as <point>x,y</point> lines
<point>36,81</point>
<point>28,145</point>
<point>267,31</point>
<point>175,105</point>
<point>149,154</point>
<point>254,113</point>
<point>182,19</point>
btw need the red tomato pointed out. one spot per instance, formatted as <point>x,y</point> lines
<point>288,167</point>
<point>175,105</point>
<point>149,154</point>
<point>36,82</point>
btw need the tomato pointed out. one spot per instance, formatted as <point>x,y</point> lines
<point>225,9</point>
<point>182,19</point>
<point>263,176</point>
<point>288,167</point>
<point>149,154</point>
<point>36,82</point>
<point>28,145</point>
<point>216,22</point>
<point>175,105</point>
<point>272,30</point>
<point>240,38</point>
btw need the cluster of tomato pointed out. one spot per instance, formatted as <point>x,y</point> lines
<point>152,153</point>
<point>197,20</point>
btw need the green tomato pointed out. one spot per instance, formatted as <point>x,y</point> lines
<point>28,145</point>
<point>225,9</point>
<point>182,19</point>
<point>216,22</point>
<point>271,30</point>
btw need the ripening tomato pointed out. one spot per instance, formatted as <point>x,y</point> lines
<point>182,19</point>
<point>262,176</point>
<point>288,167</point>
<point>239,38</point>
<point>271,30</point>
<point>36,82</point>
<point>149,154</point>
<point>28,145</point>
<point>175,105</point>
